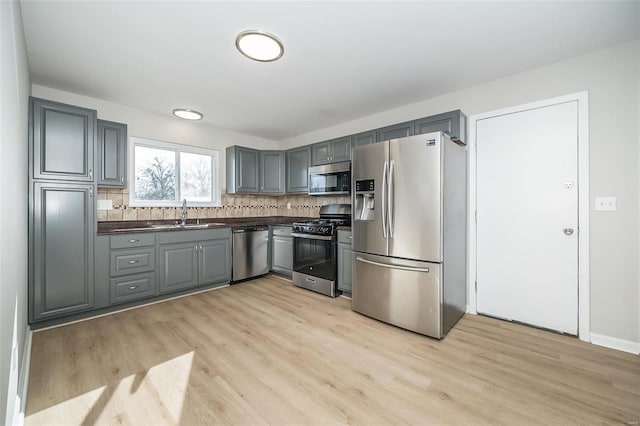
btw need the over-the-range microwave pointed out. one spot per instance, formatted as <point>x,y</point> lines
<point>330,179</point>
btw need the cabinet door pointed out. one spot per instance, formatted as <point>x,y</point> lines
<point>247,164</point>
<point>364,138</point>
<point>321,153</point>
<point>282,254</point>
<point>112,154</point>
<point>62,244</point>
<point>454,123</point>
<point>178,266</point>
<point>272,172</point>
<point>214,259</point>
<point>401,130</point>
<point>341,149</point>
<point>344,267</point>
<point>298,169</point>
<point>62,138</point>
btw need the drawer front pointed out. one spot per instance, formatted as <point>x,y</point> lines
<point>344,237</point>
<point>283,231</point>
<point>132,287</point>
<point>132,261</point>
<point>132,240</point>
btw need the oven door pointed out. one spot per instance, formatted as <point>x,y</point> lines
<point>315,255</point>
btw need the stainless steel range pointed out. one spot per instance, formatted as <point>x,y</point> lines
<point>315,252</point>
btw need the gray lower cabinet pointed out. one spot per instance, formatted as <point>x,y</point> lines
<point>132,287</point>
<point>272,172</point>
<point>333,151</point>
<point>178,266</point>
<point>243,166</point>
<point>395,131</point>
<point>454,123</point>
<point>344,261</point>
<point>298,160</point>
<point>214,260</point>
<point>61,249</point>
<point>282,250</point>
<point>191,258</point>
<point>130,270</point>
<point>112,154</point>
<point>62,139</point>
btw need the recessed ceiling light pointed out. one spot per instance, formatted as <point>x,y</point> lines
<point>259,45</point>
<point>187,114</point>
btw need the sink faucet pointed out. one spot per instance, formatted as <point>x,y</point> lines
<point>183,215</point>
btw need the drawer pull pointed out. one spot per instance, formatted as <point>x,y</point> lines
<point>350,237</point>
<point>133,241</point>
<point>131,262</point>
<point>133,287</point>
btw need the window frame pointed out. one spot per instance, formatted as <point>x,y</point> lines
<point>177,149</point>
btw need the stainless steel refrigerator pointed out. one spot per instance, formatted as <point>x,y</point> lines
<point>409,225</point>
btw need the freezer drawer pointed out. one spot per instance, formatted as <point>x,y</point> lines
<point>401,292</point>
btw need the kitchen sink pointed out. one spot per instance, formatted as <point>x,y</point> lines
<point>187,226</point>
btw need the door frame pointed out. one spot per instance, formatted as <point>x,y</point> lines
<point>582,99</point>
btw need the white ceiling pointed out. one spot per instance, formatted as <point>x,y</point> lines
<point>342,61</point>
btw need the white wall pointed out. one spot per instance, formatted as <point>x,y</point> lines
<point>14,94</point>
<point>150,125</point>
<point>612,78</point>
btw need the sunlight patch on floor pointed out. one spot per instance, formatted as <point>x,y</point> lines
<point>157,395</point>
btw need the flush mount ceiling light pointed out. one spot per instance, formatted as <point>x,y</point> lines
<point>259,45</point>
<point>187,114</point>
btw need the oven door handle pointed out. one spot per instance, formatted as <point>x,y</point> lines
<point>312,237</point>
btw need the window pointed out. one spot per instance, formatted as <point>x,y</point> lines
<point>163,174</point>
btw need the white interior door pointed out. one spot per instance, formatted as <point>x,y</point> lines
<point>527,216</point>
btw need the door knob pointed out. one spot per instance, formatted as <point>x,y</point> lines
<point>567,231</point>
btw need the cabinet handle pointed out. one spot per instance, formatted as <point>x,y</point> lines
<point>90,192</point>
<point>350,237</point>
<point>90,174</point>
<point>133,262</point>
<point>122,179</point>
<point>133,241</point>
<point>133,287</point>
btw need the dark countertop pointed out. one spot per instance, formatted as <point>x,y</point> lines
<point>344,228</point>
<point>131,226</point>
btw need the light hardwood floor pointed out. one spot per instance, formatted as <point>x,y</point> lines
<point>265,352</point>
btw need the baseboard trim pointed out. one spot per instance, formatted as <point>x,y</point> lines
<point>23,381</point>
<point>615,343</point>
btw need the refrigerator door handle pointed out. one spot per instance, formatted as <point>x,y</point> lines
<point>384,265</point>
<point>391,198</point>
<point>384,196</point>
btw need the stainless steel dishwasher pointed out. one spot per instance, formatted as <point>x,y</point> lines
<point>250,248</point>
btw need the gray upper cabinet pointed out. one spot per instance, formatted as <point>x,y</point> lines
<point>320,153</point>
<point>61,249</point>
<point>242,170</point>
<point>272,172</point>
<point>62,139</point>
<point>364,138</point>
<point>112,154</point>
<point>298,169</point>
<point>401,130</point>
<point>333,151</point>
<point>454,123</point>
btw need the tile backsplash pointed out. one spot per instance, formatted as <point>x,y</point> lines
<point>232,206</point>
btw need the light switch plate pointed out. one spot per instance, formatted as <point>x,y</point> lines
<point>105,205</point>
<point>606,204</point>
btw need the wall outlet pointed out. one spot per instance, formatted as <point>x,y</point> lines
<point>105,205</point>
<point>606,204</point>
